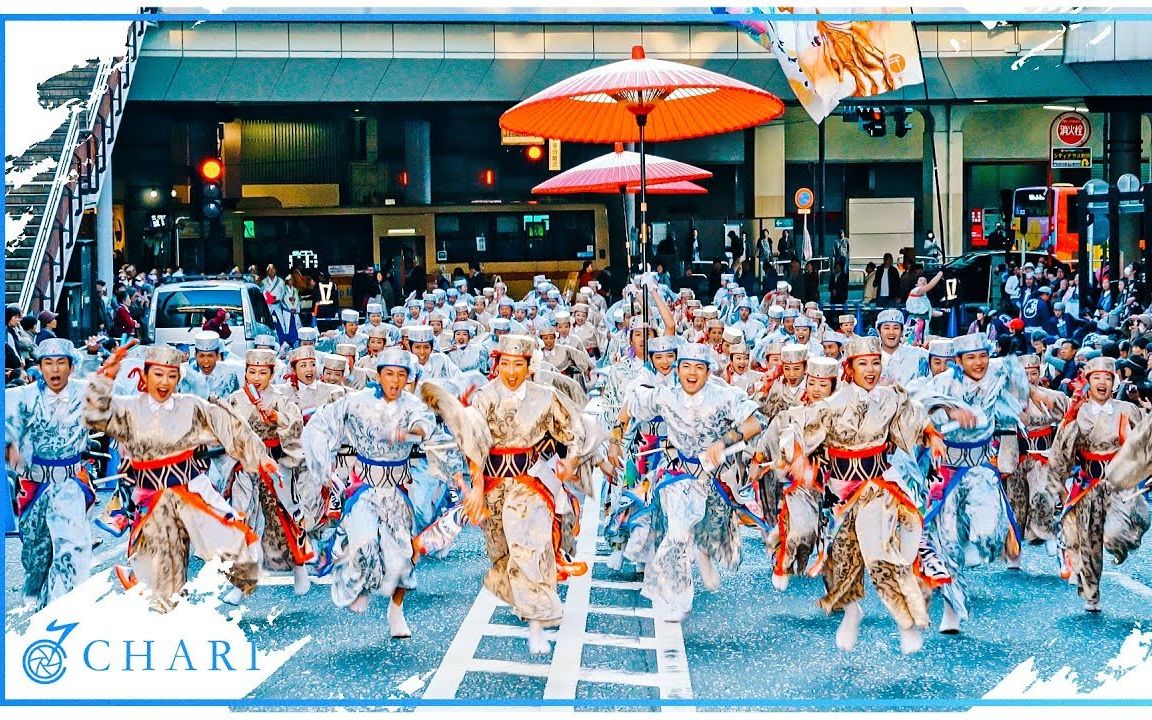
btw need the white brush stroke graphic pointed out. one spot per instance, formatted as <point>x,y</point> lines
<point>194,651</point>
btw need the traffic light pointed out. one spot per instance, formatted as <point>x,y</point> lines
<point>534,153</point>
<point>211,170</point>
<point>488,177</point>
<point>876,124</point>
<point>900,115</point>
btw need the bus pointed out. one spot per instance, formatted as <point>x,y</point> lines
<point>513,240</point>
<point>1036,211</point>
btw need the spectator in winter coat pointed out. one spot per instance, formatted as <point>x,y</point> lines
<point>838,285</point>
<point>122,321</point>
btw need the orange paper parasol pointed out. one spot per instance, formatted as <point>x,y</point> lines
<point>679,101</point>
<point>639,99</point>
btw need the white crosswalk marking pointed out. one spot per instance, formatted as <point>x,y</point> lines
<point>565,670</point>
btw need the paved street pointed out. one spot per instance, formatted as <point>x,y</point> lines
<point>745,641</point>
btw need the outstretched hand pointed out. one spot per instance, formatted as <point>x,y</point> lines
<point>474,506</point>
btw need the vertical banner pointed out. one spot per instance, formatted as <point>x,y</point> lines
<point>828,61</point>
<point>807,252</point>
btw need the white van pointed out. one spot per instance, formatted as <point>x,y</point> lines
<point>177,312</point>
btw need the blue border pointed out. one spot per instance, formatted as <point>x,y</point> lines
<point>581,18</point>
<point>753,704</point>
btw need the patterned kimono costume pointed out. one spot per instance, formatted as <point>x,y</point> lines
<point>693,510</point>
<point>469,358</point>
<point>905,364</point>
<point>310,398</point>
<point>632,512</point>
<point>969,516</point>
<point>795,505</point>
<point>620,500</point>
<point>273,506</point>
<point>226,378</point>
<point>372,549</point>
<point>53,491</point>
<point>570,360</point>
<point>1098,515</point>
<point>438,367</point>
<point>876,523</point>
<point>1032,490</point>
<point>522,532</point>
<point>176,503</point>
<point>780,398</point>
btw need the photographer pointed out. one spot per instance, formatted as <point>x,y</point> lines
<point>1134,386</point>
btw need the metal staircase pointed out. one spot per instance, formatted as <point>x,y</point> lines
<point>72,165</point>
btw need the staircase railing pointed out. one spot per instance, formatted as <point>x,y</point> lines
<point>79,175</point>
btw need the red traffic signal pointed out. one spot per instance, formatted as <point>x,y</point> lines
<point>211,169</point>
<point>534,153</point>
<point>488,178</point>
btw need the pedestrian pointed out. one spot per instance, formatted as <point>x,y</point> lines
<point>764,249</point>
<point>507,500</point>
<point>932,249</point>
<point>45,441</point>
<point>887,283</point>
<point>13,360</point>
<point>810,292</point>
<point>838,284</point>
<point>275,291</point>
<point>1094,430</point>
<point>26,339</point>
<point>587,274</point>
<point>842,250</point>
<point>869,283</point>
<point>123,324</point>
<point>47,320</point>
<point>784,248</point>
<point>177,505</point>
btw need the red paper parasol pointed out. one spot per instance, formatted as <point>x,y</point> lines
<point>608,173</point>
<point>684,187</point>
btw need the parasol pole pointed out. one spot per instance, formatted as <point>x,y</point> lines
<point>641,121</point>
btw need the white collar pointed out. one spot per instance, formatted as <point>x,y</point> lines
<point>519,393</point>
<point>1096,408</point>
<point>167,406</point>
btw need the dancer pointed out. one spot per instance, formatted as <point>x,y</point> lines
<point>1033,491</point>
<point>45,441</point>
<point>372,550</point>
<point>969,516</point>
<point>176,504</point>
<point>506,421</point>
<point>695,518</point>
<point>1098,516</point>
<point>271,501</point>
<point>877,520</point>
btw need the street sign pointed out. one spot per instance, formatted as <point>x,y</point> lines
<point>553,155</point>
<point>782,223</point>
<point>1073,129</point>
<point>508,137</point>
<point>1071,157</point>
<point>804,199</point>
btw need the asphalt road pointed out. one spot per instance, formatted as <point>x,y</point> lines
<point>747,641</point>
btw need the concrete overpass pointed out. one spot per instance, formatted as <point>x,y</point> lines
<point>502,61</point>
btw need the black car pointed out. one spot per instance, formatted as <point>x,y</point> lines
<point>972,280</point>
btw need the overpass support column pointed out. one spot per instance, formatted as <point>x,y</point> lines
<point>944,176</point>
<point>1123,148</point>
<point>418,161</point>
<point>105,233</point>
<point>768,171</point>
